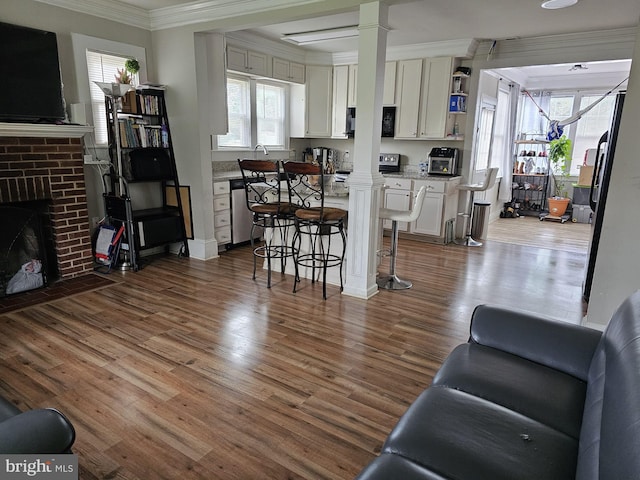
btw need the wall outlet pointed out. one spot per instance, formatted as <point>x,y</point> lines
<point>88,159</point>
<point>94,222</point>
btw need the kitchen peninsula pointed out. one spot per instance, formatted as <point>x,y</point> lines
<point>436,224</point>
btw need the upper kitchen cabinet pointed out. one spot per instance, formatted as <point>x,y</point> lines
<point>311,103</point>
<point>409,76</point>
<point>436,81</point>
<point>288,71</point>
<point>339,110</point>
<point>422,96</point>
<point>247,61</point>
<point>389,93</point>
<point>352,89</point>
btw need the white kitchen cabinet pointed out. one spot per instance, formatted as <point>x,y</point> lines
<point>389,93</point>
<point>397,196</point>
<point>430,220</point>
<point>339,109</point>
<point>408,84</point>
<point>352,89</point>
<point>247,61</point>
<point>440,205</point>
<point>318,98</point>
<point>222,212</point>
<point>288,71</point>
<point>436,82</point>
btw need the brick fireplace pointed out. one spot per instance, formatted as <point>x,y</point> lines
<point>50,168</point>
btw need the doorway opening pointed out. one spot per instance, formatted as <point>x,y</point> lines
<point>526,179</point>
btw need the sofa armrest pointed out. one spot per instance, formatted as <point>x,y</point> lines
<point>37,431</point>
<point>562,346</point>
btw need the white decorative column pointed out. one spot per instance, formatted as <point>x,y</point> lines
<point>365,183</point>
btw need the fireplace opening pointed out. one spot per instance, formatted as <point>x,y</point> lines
<point>27,247</point>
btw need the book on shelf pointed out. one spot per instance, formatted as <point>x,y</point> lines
<point>149,105</point>
<point>135,133</point>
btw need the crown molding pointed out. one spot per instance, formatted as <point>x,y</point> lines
<point>208,10</point>
<point>114,11</point>
<point>175,16</point>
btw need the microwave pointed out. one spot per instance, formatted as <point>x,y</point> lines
<point>388,122</point>
<point>443,161</point>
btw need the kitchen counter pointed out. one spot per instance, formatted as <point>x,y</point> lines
<point>417,176</point>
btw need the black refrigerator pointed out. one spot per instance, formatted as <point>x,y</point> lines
<point>600,187</point>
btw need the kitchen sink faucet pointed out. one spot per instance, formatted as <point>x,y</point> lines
<point>255,150</point>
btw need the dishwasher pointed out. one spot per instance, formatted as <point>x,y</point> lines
<point>241,216</point>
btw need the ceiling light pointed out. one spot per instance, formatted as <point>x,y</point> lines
<point>555,4</point>
<point>315,36</point>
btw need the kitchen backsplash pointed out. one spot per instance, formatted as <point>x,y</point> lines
<point>412,153</point>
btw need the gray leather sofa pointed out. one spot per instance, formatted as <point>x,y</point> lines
<point>38,431</point>
<point>526,398</point>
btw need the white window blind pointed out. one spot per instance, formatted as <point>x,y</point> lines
<point>101,67</point>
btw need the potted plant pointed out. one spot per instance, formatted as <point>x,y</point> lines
<point>559,158</point>
<point>125,75</point>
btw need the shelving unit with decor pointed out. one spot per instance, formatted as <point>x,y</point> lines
<point>458,102</point>
<point>530,176</point>
<point>146,195</point>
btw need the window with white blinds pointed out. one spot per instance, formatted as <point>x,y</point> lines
<point>102,67</point>
<point>256,112</point>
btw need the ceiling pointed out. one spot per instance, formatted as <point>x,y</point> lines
<point>415,22</point>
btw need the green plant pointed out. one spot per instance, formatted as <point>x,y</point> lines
<point>122,76</point>
<point>560,160</point>
<point>132,66</point>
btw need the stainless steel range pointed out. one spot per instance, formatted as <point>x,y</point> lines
<point>389,162</point>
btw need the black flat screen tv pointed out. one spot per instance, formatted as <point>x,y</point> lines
<point>31,86</point>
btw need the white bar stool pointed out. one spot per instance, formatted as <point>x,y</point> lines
<point>391,281</point>
<point>489,181</point>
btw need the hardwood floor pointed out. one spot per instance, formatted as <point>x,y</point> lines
<point>530,231</point>
<point>191,370</point>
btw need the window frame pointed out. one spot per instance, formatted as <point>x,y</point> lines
<point>81,43</point>
<point>253,81</point>
<point>571,130</point>
<point>98,107</point>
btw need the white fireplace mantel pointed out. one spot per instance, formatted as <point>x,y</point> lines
<point>42,130</point>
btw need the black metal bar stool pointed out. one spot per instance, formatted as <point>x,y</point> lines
<point>488,182</point>
<point>262,185</point>
<point>391,281</point>
<point>314,222</point>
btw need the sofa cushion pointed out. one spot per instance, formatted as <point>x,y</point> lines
<point>542,393</point>
<point>395,467</point>
<point>611,425</point>
<point>461,436</point>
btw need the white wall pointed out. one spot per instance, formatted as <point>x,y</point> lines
<point>617,269</point>
<point>63,22</point>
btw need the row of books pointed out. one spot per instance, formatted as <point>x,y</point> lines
<point>149,105</point>
<point>134,135</point>
<point>140,103</point>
